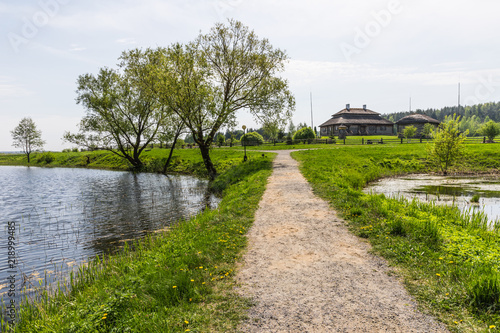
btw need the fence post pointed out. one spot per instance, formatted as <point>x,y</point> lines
<point>362,141</point>
<point>484,139</point>
<point>420,139</point>
<point>344,140</point>
<point>381,140</point>
<point>401,140</point>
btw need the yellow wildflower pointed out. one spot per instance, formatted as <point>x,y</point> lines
<point>437,274</point>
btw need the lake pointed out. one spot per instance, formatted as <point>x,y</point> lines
<point>445,190</point>
<point>54,219</point>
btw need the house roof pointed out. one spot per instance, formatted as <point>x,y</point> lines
<point>357,111</point>
<point>417,118</point>
<point>357,116</point>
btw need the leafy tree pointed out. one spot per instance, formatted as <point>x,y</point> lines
<point>301,126</point>
<point>409,132</point>
<point>27,137</point>
<point>490,130</point>
<point>123,116</point>
<point>220,139</point>
<point>448,145</point>
<point>427,130</point>
<point>304,133</point>
<point>273,123</point>
<point>291,129</point>
<point>229,69</point>
<point>252,138</point>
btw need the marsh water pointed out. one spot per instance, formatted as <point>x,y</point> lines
<point>58,218</point>
<point>445,190</point>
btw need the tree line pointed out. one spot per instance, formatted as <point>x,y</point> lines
<point>471,118</point>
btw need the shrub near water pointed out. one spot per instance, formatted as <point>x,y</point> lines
<point>449,259</point>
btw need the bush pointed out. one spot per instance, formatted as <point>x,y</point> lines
<point>490,130</point>
<point>45,158</point>
<point>304,133</point>
<point>179,143</point>
<point>252,139</point>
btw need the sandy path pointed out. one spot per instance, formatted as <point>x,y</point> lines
<point>307,273</point>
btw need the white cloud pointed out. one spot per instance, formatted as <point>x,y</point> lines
<point>126,41</point>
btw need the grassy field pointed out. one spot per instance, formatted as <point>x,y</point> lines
<point>448,261</point>
<point>185,161</point>
<point>173,282</point>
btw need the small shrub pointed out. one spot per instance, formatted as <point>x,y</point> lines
<point>475,198</point>
<point>397,228</point>
<point>252,139</point>
<point>45,158</point>
<point>304,134</point>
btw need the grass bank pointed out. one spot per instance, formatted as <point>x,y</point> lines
<point>173,282</point>
<point>448,261</point>
<point>185,161</point>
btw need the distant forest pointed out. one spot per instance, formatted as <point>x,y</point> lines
<point>471,117</point>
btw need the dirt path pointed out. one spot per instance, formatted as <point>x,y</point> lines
<point>307,273</point>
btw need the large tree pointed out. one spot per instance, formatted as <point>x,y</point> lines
<point>208,81</point>
<point>27,137</point>
<point>123,116</point>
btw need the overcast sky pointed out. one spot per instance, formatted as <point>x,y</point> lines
<point>372,52</point>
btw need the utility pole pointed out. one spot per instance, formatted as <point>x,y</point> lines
<point>312,123</point>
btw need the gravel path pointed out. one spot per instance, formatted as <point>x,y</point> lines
<point>307,273</point>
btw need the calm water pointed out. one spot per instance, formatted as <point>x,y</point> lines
<point>64,216</point>
<point>445,190</point>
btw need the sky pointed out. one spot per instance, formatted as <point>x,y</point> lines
<point>375,52</point>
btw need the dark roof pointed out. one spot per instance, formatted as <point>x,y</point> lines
<point>358,111</point>
<point>417,118</point>
<point>355,116</point>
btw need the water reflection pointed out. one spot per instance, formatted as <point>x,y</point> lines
<point>64,216</point>
<point>445,190</point>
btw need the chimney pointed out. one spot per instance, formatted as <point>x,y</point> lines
<point>348,107</point>
<point>364,107</point>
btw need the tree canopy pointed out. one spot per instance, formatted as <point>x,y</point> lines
<point>123,116</point>
<point>27,137</point>
<point>207,81</point>
<point>304,133</point>
<point>448,145</point>
<point>490,130</point>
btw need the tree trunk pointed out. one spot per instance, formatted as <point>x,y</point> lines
<point>171,152</point>
<point>205,154</point>
<point>28,154</point>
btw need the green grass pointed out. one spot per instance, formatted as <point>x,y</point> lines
<point>172,282</point>
<point>185,161</point>
<point>448,260</point>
